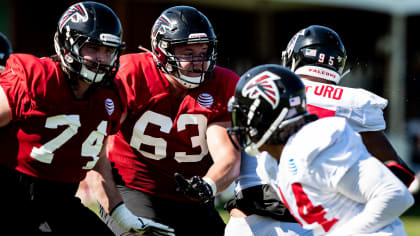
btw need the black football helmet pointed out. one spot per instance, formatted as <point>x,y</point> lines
<point>89,23</point>
<point>183,25</point>
<point>267,98</point>
<point>5,49</point>
<point>316,51</point>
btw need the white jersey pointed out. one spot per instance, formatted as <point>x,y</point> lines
<point>310,173</point>
<point>362,109</point>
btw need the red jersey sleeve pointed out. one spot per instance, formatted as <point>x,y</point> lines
<point>23,84</point>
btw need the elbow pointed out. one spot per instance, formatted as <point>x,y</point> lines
<point>404,199</point>
<point>409,199</point>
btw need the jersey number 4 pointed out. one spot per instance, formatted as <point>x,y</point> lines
<point>165,123</point>
<point>90,147</point>
<point>308,212</point>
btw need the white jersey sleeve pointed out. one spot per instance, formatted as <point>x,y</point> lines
<point>362,109</point>
<point>385,198</point>
<point>312,164</point>
<point>258,170</point>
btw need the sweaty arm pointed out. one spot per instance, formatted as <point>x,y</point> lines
<point>226,159</point>
<point>378,145</point>
<point>384,196</point>
<point>5,112</point>
<point>101,183</point>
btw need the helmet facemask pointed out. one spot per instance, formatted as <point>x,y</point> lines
<point>183,25</point>
<point>247,133</point>
<point>90,71</point>
<point>84,24</point>
<point>267,99</point>
<point>173,62</point>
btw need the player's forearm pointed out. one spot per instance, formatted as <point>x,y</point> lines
<point>385,197</point>
<point>226,158</point>
<point>223,174</point>
<point>102,185</point>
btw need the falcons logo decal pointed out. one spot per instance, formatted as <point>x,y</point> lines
<point>292,42</point>
<point>262,85</point>
<point>163,25</point>
<point>76,13</point>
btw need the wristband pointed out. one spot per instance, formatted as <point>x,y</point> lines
<point>212,184</point>
<point>115,207</point>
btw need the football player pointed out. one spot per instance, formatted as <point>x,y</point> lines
<point>172,154</point>
<point>56,114</point>
<point>5,51</point>
<point>318,56</point>
<point>324,175</point>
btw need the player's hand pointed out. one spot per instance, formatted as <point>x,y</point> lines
<point>139,225</point>
<point>194,188</point>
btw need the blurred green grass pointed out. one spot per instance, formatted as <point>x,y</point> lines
<point>411,219</point>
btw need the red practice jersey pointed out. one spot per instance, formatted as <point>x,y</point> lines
<point>162,134</point>
<point>52,135</point>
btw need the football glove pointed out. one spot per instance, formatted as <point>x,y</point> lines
<point>139,225</point>
<point>402,171</point>
<point>194,188</point>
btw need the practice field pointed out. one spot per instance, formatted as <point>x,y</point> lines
<point>411,219</point>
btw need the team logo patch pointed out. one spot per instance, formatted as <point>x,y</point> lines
<point>205,100</point>
<point>262,85</point>
<point>109,106</point>
<point>76,13</point>
<point>292,166</point>
<point>310,52</point>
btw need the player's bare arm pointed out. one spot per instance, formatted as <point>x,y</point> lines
<point>102,184</point>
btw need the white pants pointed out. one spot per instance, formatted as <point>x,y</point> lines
<point>255,225</point>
